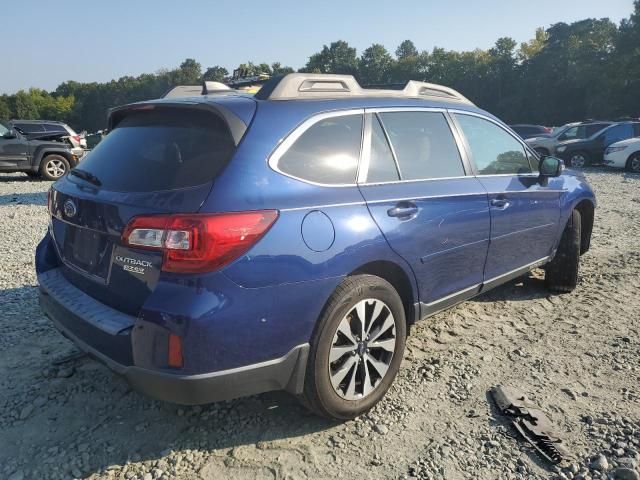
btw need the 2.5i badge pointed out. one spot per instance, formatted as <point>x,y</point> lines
<point>143,266</point>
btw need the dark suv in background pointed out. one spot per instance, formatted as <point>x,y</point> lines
<point>36,155</point>
<point>530,131</point>
<point>35,128</point>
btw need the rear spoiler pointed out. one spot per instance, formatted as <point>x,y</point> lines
<point>236,126</point>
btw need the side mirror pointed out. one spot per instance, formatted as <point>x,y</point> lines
<point>550,167</point>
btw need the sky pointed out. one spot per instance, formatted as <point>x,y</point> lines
<point>47,43</point>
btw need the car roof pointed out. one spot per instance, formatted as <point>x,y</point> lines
<point>38,121</point>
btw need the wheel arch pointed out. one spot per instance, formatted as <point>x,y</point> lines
<point>586,208</point>
<point>399,279</point>
<point>42,152</point>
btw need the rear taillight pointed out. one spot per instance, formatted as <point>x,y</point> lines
<point>76,138</point>
<point>200,242</point>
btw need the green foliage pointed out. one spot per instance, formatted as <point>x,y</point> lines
<point>590,68</point>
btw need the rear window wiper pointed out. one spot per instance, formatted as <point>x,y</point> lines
<point>83,174</point>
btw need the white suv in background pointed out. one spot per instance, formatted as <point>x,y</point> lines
<point>624,154</point>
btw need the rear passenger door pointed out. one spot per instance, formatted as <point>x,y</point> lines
<point>524,211</point>
<point>414,180</point>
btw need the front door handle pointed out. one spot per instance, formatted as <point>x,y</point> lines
<point>500,203</point>
<point>403,210</point>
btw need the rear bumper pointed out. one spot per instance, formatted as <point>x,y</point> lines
<point>80,322</point>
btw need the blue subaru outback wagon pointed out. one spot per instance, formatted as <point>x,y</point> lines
<point>226,244</point>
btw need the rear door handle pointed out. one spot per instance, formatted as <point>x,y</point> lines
<point>500,203</point>
<point>403,210</point>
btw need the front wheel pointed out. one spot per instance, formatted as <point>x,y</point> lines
<point>578,160</point>
<point>357,348</point>
<point>561,274</point>
<point>633,164</point>
<point>53,167</point>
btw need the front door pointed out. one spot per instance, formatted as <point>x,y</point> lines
<point>13,151</point>
<point>430,212</point>
<point>524,211</point>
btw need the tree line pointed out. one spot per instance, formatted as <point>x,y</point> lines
<point>568,72</point>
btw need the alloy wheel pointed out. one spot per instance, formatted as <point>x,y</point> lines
<point>55,168</point>
<point>578,161</point>
<point>635,164</point>
<point>362,349</point>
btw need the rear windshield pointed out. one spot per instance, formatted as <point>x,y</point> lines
<point>163,149</point>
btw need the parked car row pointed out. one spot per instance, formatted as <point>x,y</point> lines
<point>616,143</point>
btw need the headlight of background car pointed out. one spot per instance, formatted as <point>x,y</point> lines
<point>561,149</point>
<point>615,149</point>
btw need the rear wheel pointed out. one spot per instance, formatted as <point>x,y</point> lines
<point>561,274</point>
<point>53,167</point>
<point>578,160</point>
<point>357,348</point>
<point>633,163</point>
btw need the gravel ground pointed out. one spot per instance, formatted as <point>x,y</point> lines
<point>576,355</point>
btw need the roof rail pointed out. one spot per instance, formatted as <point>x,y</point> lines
<point>324,85</point>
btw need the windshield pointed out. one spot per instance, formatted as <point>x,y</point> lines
<point>162,149</point>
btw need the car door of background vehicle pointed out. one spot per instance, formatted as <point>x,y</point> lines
<point>433,215</point>
<point>524,211</point>
<point>13,151</point>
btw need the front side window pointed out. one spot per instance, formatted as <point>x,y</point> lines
<point>494,151</point>
<point>327,152</point>
<point>424,145</point>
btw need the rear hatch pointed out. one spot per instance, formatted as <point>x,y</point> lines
<point>158,159</point>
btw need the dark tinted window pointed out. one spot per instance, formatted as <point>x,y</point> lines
<point>592,129</point>
<point>327,152</point>
<point>382,166</point>
<point>161,149</point>
<point>636,129</point>
<point>494,151</point>
<point>617,133</point>
<point>424,145</point>
<point>29,127</point>
<point>54,127</point>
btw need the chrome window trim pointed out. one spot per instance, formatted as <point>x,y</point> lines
<point>455,111</point>
<point>297,132</point>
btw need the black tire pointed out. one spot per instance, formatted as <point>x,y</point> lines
<point>319,394</point>
<point>633,163</point>
<point>574,160</point>
<point>561,274</point>
<point>53,167</point>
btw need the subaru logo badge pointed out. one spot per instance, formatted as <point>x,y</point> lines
<point>70,208</point>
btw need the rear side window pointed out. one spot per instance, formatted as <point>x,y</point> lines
<point>327,152</point>
<point>423,144</point>
<point>382,166</point>
<point>55,127</point>
<point>494,151</point>
<point>163,149</point>
<point>29,127</point>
